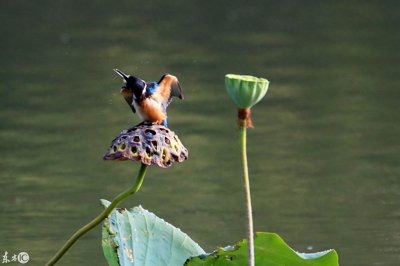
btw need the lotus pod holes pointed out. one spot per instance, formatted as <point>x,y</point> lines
<point>151,144</point>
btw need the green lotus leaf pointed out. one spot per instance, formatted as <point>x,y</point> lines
<point>138,237</point>
<point>270,249</point>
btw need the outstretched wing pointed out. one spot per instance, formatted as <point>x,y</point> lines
<point>128,96</point>
<point>169,87</point>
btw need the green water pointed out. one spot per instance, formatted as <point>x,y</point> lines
<point>324,154</point>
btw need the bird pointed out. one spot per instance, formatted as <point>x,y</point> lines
<point>150,99</point>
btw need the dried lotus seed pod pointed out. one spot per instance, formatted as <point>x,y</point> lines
<point>149,143</point>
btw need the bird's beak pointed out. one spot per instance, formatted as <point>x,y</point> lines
<point>122,74</point>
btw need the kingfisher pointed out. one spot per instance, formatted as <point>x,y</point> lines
<point>150,99</point>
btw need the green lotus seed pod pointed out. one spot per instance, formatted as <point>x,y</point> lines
<point>244,90</point>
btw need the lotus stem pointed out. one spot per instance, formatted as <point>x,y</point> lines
<point>250,233</point>
<point>116,201</point>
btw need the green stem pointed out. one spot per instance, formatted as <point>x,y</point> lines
<point>250,233</point>
<point>117,200</point>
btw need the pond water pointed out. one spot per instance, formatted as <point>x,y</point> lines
<point>323,156</point>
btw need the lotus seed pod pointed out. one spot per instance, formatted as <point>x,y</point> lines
<point>151,144</point>
<point>246,91</point>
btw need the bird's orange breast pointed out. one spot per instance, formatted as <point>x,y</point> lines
<point>152,111</point>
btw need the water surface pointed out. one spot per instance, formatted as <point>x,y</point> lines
<point>323,155</point>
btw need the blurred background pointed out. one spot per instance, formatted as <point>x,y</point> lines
<point>323,156</point>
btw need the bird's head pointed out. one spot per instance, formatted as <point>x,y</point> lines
<point>136,85</point>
